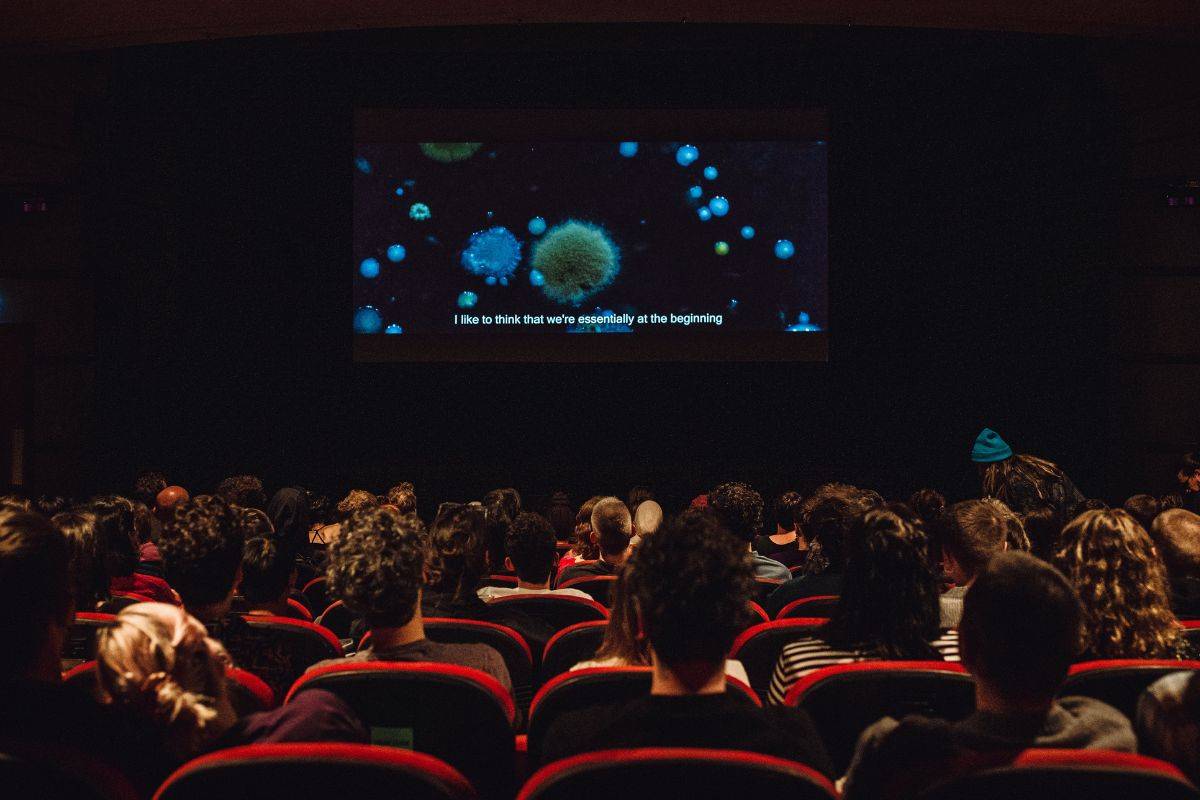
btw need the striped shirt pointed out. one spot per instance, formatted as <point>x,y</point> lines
<point>810,654</point>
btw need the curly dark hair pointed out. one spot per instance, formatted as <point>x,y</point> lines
<point>929,505</point>
<point>786,510</point>
<point>827,515</point>
<point>243,490</point>
<point>739,508</point>
<point>691,583</point>
<point>116,537</point>
<point>458,552</point>
<point>146,487</point>
<point>889,601</point>
<point>530,545</point>
<point>404,497</point>
<point>201,546</point>
<point>267,567</point>
<point>376,565</point>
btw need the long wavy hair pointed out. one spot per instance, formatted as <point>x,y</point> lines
<point>620,635</point>
<point>1122,585</point>
<point>1000,477</point>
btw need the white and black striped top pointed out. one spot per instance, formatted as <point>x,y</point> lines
<point>811,654</point>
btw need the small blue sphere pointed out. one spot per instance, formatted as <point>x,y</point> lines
<point>537,226</point>
<point>396,253</point>
<point>399,191</point>
<point>710,172</point>
<point>369,268</point>
<point>784,249</point>
<point>628,149</point>
<point>467,300</point>
<point>393,329</point>
<point>747,232</point>
<point>803,318</point>
<point>367,320</point>
<point>695,192</point>
<point>362,165</point>
<point>686,154</point>
<point>704,214</point>
<point>719,206</point>
<point>536,278</point>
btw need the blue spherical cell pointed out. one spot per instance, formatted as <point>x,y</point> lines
<point>627,149</point>
<point>362,165</point>
<point>704,214</point>
<point>537,226</point>
<point>747,232</point>
<point>399,191</point>
<point>784,249</point>
<point>686,154</point>
<point>695,192</point>
<point>393,329</point>
<point>803,318</point>
<point>492,254</point>
<point>467,300</point>
<point>396,253</point>
<point>710,172</point>
<point>719,206</point>
<point>419,211</point>
<point>367,320</point>
<point>369,268</point>
<point>536,278</point>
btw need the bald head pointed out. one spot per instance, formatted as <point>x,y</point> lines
<point>1176,533</point>
<point>168,498</point>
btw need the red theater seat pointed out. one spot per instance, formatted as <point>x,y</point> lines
<point>758,647</point>
<point>760,613</point>
<point>844,700</point>
<point>1119,682</point>
<point>304,642</point>
<point>301,610</point>
<point>338,619</point>
<point>80,643</point>
<point>316,597</point>
<point>460,715</point>
<point>596,686</point>
<point>556,610</point>
<point>511,645</point>
<point>764,587</point>
<point>247,692</point>
<point>1191,630</point>
<point>821,605</point>
<point>569,646</point>
<point>655,773</point>
<point>1070,775</point>
<point>120,600</point>
<point>298,771</point>
<point>599,587</point>
<point>55,772</point>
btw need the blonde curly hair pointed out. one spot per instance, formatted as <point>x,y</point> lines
<point>1122,584</point>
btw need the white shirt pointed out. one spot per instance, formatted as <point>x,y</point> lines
<point>489,593</point>
<point>733,669</point>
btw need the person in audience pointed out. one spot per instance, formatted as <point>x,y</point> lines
<point>1021,481</point>
<point>786,543</point>
<point>888,607</point>
<point>50,504</point>
<point>583,546</point>
<point>166,500</point>
<point>561,516</point>
<point>611,529</point>
<point>531,555</point>
<point>89,581</point>
<point>403,497</point>
<point>646,520</point>
<point>501,507</point>
<point>1188,475</point>
<point>1143,508</point>
<point>377,568</point>
<point>826,517</point>
<point>971,533</point>
<point>268,573</point>
<point>1043,526</point>
<point>291,518</point>
<point>1176,535</point>
<point>117,541</point>
<point>1122,584</point>
<point>146,487</point>
<point>929,505</point>
<point>1168,721</point>
<point>458,562</point>
<point>740,510</point>
<point>356,500</point>
<point>689,584</point>
<point>623,647</point>
<point>1169,501</point>
<point>243,490</point>
<point>158,664</point>
<point>202,547</point>
<point>1019,635</point>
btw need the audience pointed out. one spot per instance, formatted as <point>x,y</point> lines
<point>1168,722</point>
<point>501,507</point>
<point>146,487</point>
<point>1143,508</point>
<point>689,584</point>
<point>646,520</point>
<point>531,555</point>
<point>268,573</point>
<point>561,516</point>
<point>1021,481</point>
<point>888,607</point>
<point>583,546</point>
<point>786,543</point>
<point>1188,475</point>
<point>1122,585</point>
<point>243,490</point>
<point>972,532</point>
<point>403,497</point>
<point>1176,534</point>
<point>610,530</point>
<point>1020,632</point>
<point>1043,526</point>
<point>89,581</point>
<point>740,510</point>
<point>377,568</point>
<point>356,500</point>
<point>119,552</point>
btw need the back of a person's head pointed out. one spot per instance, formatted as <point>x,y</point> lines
<point>458,545</point>
<point>889,598</point>
<point>975,530</point>
<point>648,518</point>
<point>637,496</point>
<point>530,544</point>
<point>89,581</point>
<point>146,487</point>
<point>827,515</point>
<point>506,501</point>
<point>1176,533</point>
<point>786,510</point>
<point>929,505</point>
<point>376,565</point>
<point>290,515</point>
<point>201,546</point>
<point>115,536</point>
<point>739,508</point>
<point>1043,525</point>
<point>166,500</point>
<point>500,507</point>
<point>1144,508</point>
<point>612,525</point>
<point>156,662</point>
<point>691,582</point>
<point>267,566</point>
<point>1020,629</point>
<point>243,490</point>
<point>356,500</point>
<point>404,497</point>
<point>35,588</point>
<point>561,516</point>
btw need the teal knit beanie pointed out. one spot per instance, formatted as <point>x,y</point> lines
<point>989,447</point>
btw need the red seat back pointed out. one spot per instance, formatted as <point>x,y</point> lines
<point>1119,682</point>
<point>599,587</point>
<point>758,647</point>
<point>338,619</point>
<point>821,605</point>
<point>460,715</point>
<point>80,642</point>
<point>844,700</point>
<point>569,646</point>
<point>764,587</point>
<point>511,646</point>
<point>247,692</point>
<point>316,597</point>
<point>558,611</point>
<point>300,609</point>
<point>120,600</point>
<point>1070,775</point>
<point>313,770</point>
<point>654,773</point>
<point>303,643</point>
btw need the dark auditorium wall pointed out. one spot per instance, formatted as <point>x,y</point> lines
<point>974,249</point>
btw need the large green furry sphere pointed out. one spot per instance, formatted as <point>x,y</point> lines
<point>449,152</point>
<point>576,260</point>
